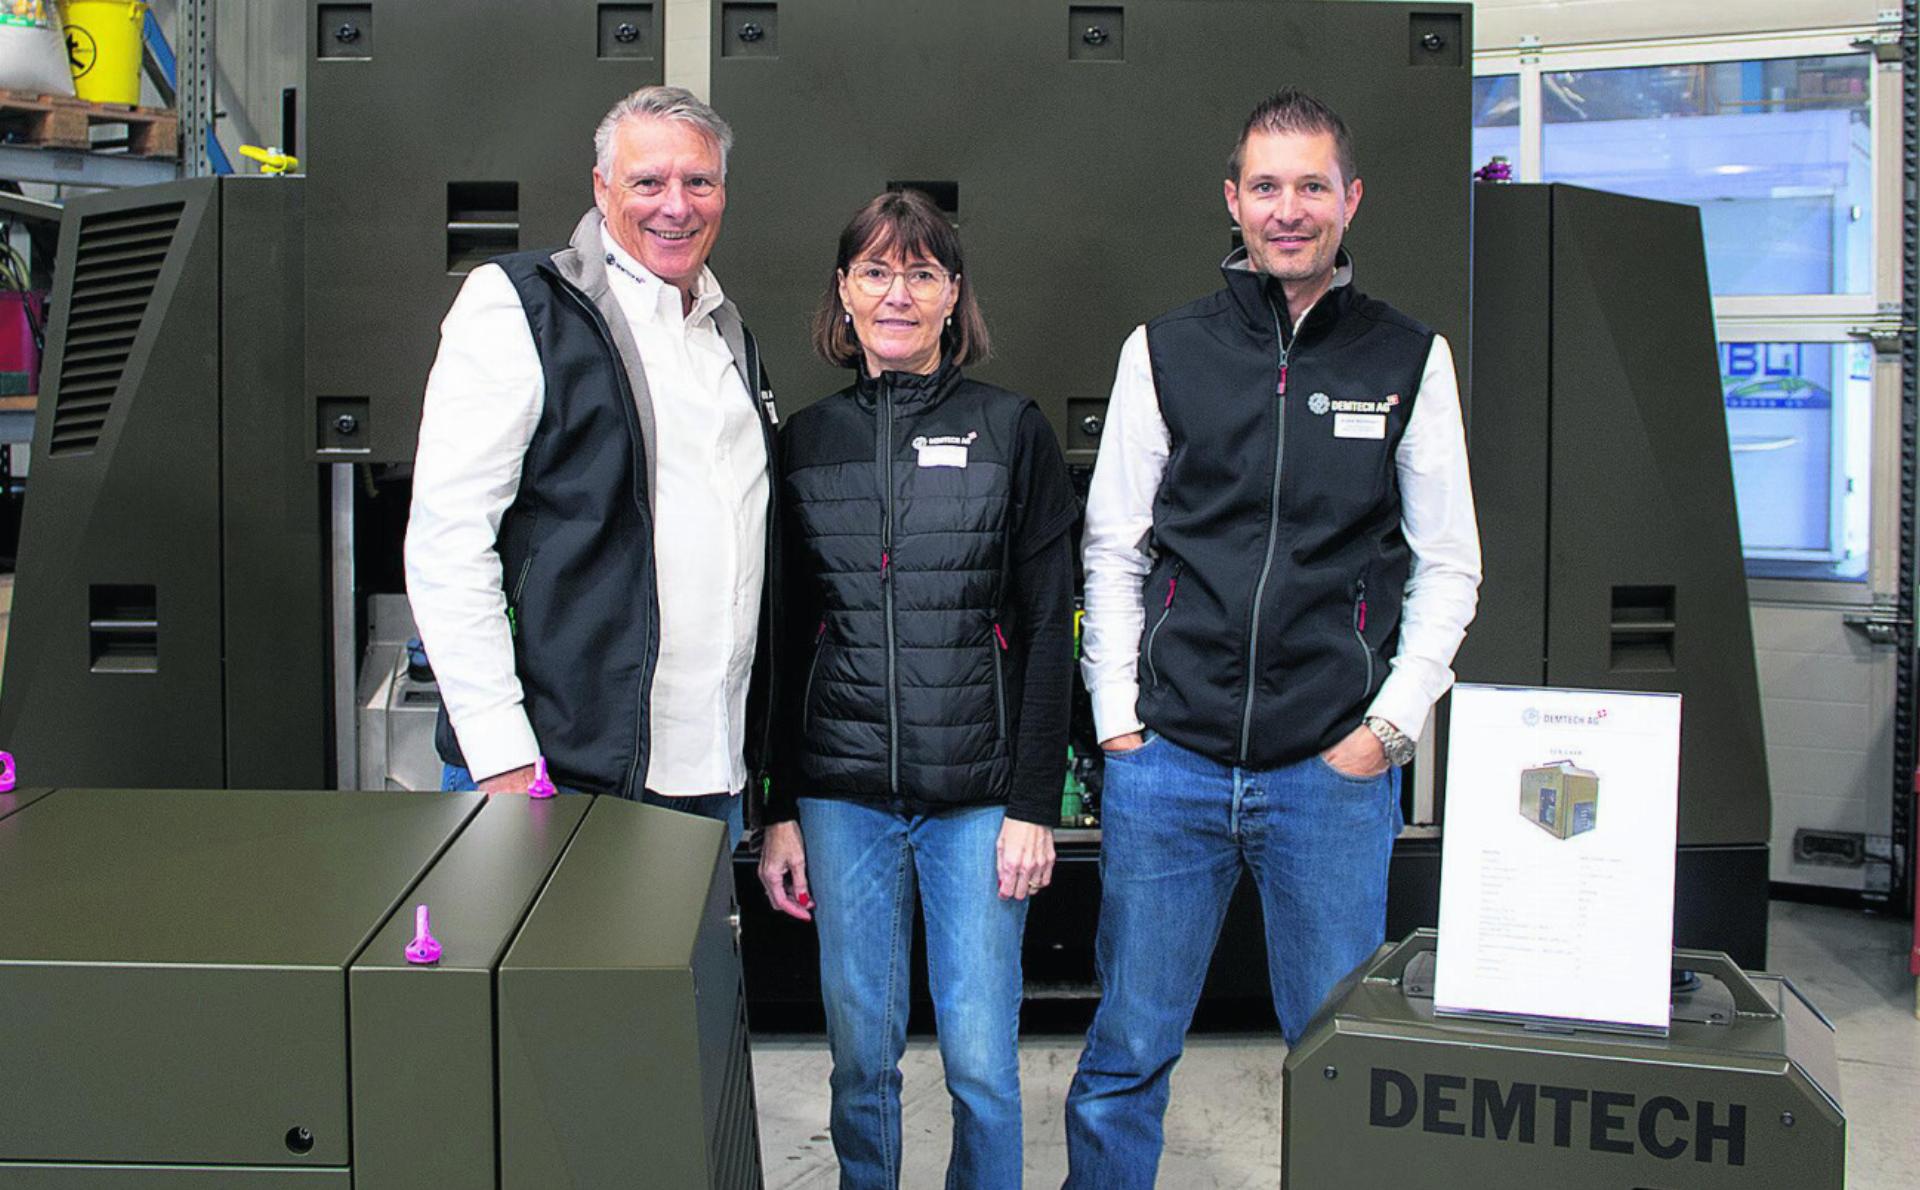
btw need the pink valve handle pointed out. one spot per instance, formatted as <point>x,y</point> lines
<point>424,948</point>
<point>542,786</point>
<point>6,772</point>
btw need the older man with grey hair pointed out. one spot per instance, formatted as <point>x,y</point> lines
<point>589,556</point>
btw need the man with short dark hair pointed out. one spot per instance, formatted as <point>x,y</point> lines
<point>589,554</point>
<point>1281,561</point>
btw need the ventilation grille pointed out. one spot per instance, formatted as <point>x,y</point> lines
<point>115,268</point>
<point>735,1149</point>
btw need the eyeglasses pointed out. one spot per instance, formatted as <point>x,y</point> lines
<point>876,280</point>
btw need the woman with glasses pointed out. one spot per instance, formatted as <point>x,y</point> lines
<point>926,693</point>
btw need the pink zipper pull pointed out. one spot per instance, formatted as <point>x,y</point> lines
<point>1282,390</point>
<point>1170,582</point>
<point>1000,636</point>
<point>1362,625</point>
<point>886,562</point>
<point>821,632</point>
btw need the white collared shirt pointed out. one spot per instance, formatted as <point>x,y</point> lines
<point>484,399</point>
<point>1436,515</point>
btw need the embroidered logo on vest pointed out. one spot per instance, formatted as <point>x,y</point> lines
<point>944,450</point>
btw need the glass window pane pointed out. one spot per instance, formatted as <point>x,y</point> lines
<point>1496,119</point>
<point>1799,417</point>
<point>1776,153</point>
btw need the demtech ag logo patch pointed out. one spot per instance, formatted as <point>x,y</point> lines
<point>1320,404</point>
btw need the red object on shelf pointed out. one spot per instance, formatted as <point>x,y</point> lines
<point>17,353</point>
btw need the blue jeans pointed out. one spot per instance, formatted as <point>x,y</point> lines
<point>1176,829</point>
<point>725,807</point>
<point>863,866</point>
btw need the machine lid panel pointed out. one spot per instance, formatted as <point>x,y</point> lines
<point>628,894</point>
<point>224,877</point>
<point>19,799</point>
<point>478,892</point>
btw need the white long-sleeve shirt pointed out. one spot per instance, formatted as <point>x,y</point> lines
<point>484,399</point>
<point>1436,517</point>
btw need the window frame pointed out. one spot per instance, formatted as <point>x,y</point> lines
<point>1804,318</point>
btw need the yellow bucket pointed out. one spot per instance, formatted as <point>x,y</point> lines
<point>104,39</point>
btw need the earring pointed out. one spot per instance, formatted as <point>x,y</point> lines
<point>949,322</point>
<point>849,318</point>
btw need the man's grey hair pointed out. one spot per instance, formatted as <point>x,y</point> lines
<point>661,103</point>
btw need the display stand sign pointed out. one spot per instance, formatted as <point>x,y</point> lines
<point>1556,881</point>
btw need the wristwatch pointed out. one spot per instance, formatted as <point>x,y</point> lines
<point>1397,744</point>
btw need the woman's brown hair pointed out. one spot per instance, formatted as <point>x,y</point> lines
<point>907,221</point>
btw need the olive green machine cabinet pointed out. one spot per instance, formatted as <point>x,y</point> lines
<point>210,988</point>
<point>170,617</point>
<point>1598,441</point>
<point>1742,1094</point>
<point>662,1055</point>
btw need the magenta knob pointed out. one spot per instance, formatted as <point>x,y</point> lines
<point>424,948</point>
<point>542,784</point>
<point>6,772</point>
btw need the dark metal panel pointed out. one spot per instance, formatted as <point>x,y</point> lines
<point>1720,901</point>
<point>389,128</point>
<point>140,509</point>
<point>1508,428</point>
<point>1643,495</point>
<point>1089,191</point>
<point>168,1177</point>
<point>423,1044</point>
<point>615,1007</point>
<point>273,581</point>
<point>122,1062</point>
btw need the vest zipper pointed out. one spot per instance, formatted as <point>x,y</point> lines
<point>999,692</point>
<point>1273,533</point>
<point>513,600</point>
<point>632,787</point>
<point>886,587</point>
<point>761,774</point>
<point>806,694</point>
<point>1166,609</point>
<point>1360,628</point>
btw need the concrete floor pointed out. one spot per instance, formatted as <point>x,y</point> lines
<point>1223,1129</point>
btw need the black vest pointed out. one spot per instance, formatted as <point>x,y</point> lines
<point>1273,603</point>
<point>898,494</point>
<point>576,555</point>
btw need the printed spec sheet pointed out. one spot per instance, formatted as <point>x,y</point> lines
<point>1556,885</point>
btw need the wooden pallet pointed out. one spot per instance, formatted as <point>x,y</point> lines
<point>57,122</point>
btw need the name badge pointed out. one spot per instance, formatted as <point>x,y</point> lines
<point>1360,425</point>
<point>943,456</point>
